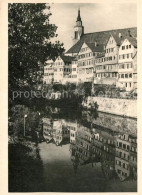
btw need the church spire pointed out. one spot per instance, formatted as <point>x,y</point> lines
<point>78,28</point>
<point>79,18</point>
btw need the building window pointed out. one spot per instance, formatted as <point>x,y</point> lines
<point>126,75</point>
<point>129,46</point>
<point>130,75</point>
<point>123,47</point>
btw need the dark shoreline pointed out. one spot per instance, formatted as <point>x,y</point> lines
<point>25,168</point>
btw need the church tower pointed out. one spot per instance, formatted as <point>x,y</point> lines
<point>78,29</point>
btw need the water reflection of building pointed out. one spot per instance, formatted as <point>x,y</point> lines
<point>133,157</point>
<point>124,164</point>
<point>72,127</point>
<point>116,153</point>
<point>60,132</point>
<point>82,144</point>
<point>47,129</point>
<point>126,157</point>
<point>56,131</point>
<point>104,147</point>
<point>92,146</point>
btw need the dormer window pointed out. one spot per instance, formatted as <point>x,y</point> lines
<point>120,35</point>
<point>129,33</point>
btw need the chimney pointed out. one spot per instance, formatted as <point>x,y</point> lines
<point>120,36</point>
<point>129,33</point>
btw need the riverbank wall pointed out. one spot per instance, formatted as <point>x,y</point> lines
<point>115,123</point>
<point>122,107</point>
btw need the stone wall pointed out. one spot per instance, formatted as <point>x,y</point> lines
<point>113,122</point>
<point>115,106</point>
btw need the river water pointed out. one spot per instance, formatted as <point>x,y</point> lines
<point>88,152</point>
<point>80,151</point>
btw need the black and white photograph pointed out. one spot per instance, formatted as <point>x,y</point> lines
<point>72,97</point>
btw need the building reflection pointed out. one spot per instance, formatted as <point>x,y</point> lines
<point>104,146</point>
<point>55,131</point>
<point>122,156</point>
<point>117,152</point>
<point>48,129</point>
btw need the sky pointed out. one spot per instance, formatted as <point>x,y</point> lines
<point>95,17</point>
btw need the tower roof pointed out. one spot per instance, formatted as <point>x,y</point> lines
<point>78,17</point>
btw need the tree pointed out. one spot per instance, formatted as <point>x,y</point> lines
<point>30,34</point>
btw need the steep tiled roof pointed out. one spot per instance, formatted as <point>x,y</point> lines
<point>102,37</point>
<point>118,39</point>
<point>97,48</point>
<point>67,58</point>
<point>133,41</point>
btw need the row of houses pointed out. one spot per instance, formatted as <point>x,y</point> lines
<point>113,64</point>
<point>106,57</point>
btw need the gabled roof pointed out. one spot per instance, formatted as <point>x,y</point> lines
<point>102,37</point>
<point>97,48</point>
<point>76,48</point>
<point>67,58</point>
<point>118,39</point>
<point>132,40</point>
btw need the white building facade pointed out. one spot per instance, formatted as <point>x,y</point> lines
<point>86,62</point>
<point>107,64</point>
<point>127,65</point>
<point>48,72</point>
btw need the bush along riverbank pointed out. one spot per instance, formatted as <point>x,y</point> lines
<point>25,166</point>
